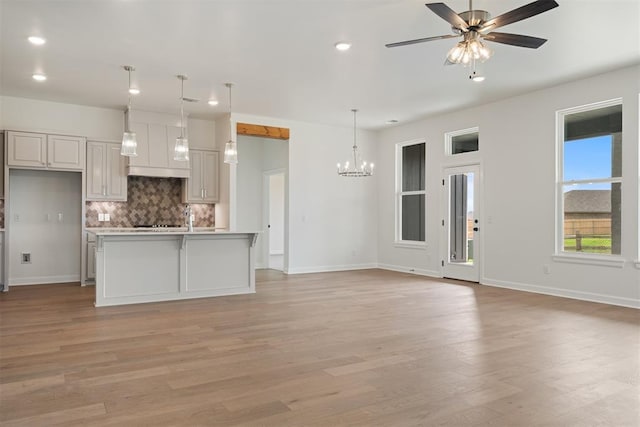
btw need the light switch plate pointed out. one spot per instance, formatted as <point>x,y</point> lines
<point>100,217</point>
<point>107,217</point>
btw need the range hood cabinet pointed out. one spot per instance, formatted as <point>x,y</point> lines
<point>156,142</point>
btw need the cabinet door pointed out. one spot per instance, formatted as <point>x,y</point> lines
<point>142,137</point>
<point>116,175</point>
<point>27,149</point>
<point>65,152</point>
<point>96,173</point>
<point>91,260</point>
<point>195,186</point>
<point>210,175</point>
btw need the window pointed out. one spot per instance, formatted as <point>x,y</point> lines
<point>410,204</point>
<point>462,141</point>
<point>590,179</point>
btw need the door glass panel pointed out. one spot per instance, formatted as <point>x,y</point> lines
<point>461,218</point>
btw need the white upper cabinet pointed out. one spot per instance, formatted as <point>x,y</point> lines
<point>202,184</point>
<point>106,175</point>
<point>156,143</point>
<point>36,150</point>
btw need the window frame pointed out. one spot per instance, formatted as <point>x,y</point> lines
<point>448,141</point>
<point>614,260</point>
<point>398,242</point>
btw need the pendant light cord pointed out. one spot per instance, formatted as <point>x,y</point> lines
<point>230,126</point>
<point>181,106</point>
<point>355,144</point>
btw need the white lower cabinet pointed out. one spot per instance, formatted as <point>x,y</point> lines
<point>91,256</point>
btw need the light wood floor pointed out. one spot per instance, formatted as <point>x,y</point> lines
<point>370,348</point>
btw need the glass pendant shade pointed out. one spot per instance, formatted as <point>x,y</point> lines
<point>181,150</point>
<point>231,153</point>
<point>230,148</point>
<point>129,144</point>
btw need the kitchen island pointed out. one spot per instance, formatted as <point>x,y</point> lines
<point>149,266</point>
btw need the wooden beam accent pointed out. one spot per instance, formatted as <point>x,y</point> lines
<point>262,131</point>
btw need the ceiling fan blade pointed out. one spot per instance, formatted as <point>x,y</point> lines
<point>515,15</point>
<point>515,40</point>
<point>426,39</point>
<point>449,15</point>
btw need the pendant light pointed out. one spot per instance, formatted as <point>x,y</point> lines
<point>181,150</point>
<point>129,142</point>
<point>230,148</point>
<point>359,168</point>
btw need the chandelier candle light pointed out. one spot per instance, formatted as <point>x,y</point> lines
<point>181,150</point>
<point>129,142</point>
<point>230,148</point>
<point>358,168</point>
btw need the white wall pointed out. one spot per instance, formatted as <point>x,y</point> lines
<point>517,153</point>
<point>37,198</point>
<point>332,220</point>
<point>276,214</point>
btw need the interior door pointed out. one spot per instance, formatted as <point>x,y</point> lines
<point>461,224</point>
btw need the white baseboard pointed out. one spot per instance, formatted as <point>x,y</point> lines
<point>411,270</point>
<point>43,280</point>
<point>566,293</point>
<point>328,268</point>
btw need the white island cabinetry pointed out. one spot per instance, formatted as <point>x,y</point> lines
<point>136,267</point>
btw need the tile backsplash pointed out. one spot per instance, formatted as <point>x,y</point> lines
<point>149,201</point>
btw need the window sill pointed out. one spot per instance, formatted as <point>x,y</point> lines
<point>409,245</point>
<point>604,261</point>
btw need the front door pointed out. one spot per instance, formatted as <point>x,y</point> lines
<point>461,224</point>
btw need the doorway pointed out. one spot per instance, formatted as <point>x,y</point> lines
<point>273,243</point>
<point>462,249</point>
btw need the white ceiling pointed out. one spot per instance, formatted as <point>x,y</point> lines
<point>280,54</point>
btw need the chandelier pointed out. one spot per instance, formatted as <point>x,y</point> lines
<point>358,168</point>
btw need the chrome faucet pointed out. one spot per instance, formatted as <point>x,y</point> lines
<point>188,213</point>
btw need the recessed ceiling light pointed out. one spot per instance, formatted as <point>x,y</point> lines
<point>38,41</point>
<point>391,122</point>
<point>342,46</point>
<point>213,102</point>
<point>134,91</point>
<point>39,77</point>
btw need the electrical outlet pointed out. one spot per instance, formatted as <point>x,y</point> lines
<point>16,218</point>
<point>100,217</point>
<point>546,269</point>
<point>25,257</point>
<point>107,217</point>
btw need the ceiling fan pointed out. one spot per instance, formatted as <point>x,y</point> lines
<point>477,25</point>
